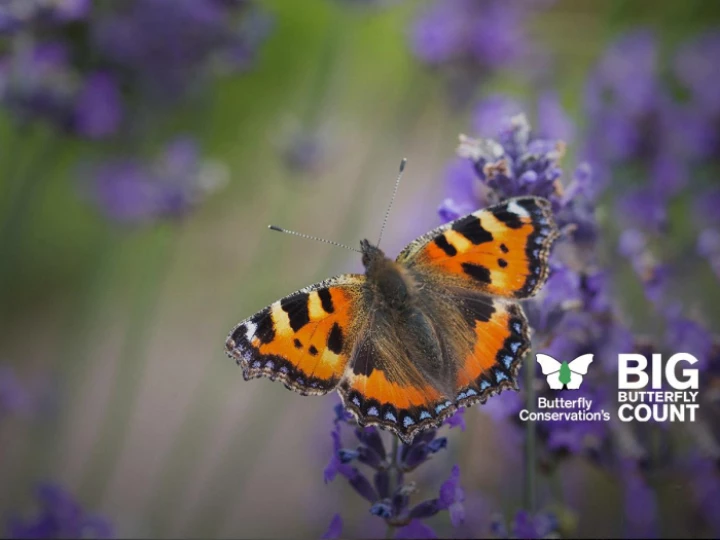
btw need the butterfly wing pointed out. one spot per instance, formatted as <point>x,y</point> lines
<point>548,364</point>
<point>455,349</point>
<point>581,364</point>
<point>499,340</point>
<point>389,382</point>
<point>501,250</point>
<point>305,339</point>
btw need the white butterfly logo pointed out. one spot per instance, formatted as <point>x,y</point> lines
<point>564,374</point>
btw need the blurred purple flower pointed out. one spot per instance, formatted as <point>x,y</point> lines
<point>14,397</point>
<point>452,496</point>
<point>415,529</point>
<point>688,336</point>
<point>18,14</point>
<point>36,81</point>
<point>643,208</point>
<point>490,33</point>
<point>168,46</point>
<point>704,208</point>
<point>524,525</point>
<point>334,530</point>
<point>468,40</point>
<point>130,191</point>
<point>59,515</point>
<point>457,420</point>
<point>99,107</point>
<point>695,67</point>
<point>553,120</point>
<point>626,76</point>
<point>493,115</point>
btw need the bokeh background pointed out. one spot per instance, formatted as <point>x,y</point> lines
<point>145,145</point>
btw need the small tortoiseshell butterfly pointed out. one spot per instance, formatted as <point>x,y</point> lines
<point>412,339</point>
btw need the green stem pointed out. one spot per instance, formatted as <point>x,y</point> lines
<point>530,489</point>
<point>131,363</point>
<point>394,474</point>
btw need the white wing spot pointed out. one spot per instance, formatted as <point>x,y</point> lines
<point>250,329</point>
<point>515,208</point>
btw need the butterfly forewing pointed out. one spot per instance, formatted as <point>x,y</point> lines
<point>501,250</point>
<point>305,339</point>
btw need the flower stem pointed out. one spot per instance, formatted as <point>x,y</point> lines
<point>530,487</point>
<point>394,474</point>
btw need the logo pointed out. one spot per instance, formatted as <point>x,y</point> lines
<point>564,375</point>
<point>669,398</point>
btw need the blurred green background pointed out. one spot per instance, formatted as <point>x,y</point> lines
<point>118,331</point>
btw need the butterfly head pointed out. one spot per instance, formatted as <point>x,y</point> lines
<point>372,255</point>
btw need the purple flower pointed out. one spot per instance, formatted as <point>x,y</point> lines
<point>18,14</point>
<point>415,529</point>
<point>515,163</point>
<point>457,420</point>
<point>334,530</point>
<point>688,336</point>
<point>14,397</point>
<point>59,516</point>
<point>168,46</point>
<point>553,120</point>
<point>503,406</point>
<point>694,67</point>
<point>493,115</point>
<point>643,208</point>
<point>626,75</point>
<point>452,496</point>
<point>704,208</point>
<point>36,81</point>
<point>469,40</point>
<point>525,525</point>
<point>99,107</point>
<point>130,191</point>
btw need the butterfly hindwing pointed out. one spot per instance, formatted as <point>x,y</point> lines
<point>388,382</point>
<point>500,341</point>
<point>305,339</point>
<point>501,250</point>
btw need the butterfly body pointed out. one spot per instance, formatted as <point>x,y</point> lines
<point>412,339</point>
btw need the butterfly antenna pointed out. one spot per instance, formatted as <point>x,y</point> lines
<point>392,200</point>
<point>301,235</point>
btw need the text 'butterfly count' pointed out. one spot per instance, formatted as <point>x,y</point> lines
<point>412,339</point>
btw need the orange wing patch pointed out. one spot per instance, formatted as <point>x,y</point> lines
<point>378,391</point>
<point>501,250</point>
<point>501,341</point>
<point>305,339</point>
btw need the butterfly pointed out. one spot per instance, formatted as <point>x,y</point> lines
<point>413,339</point>
<point>564,374</point>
